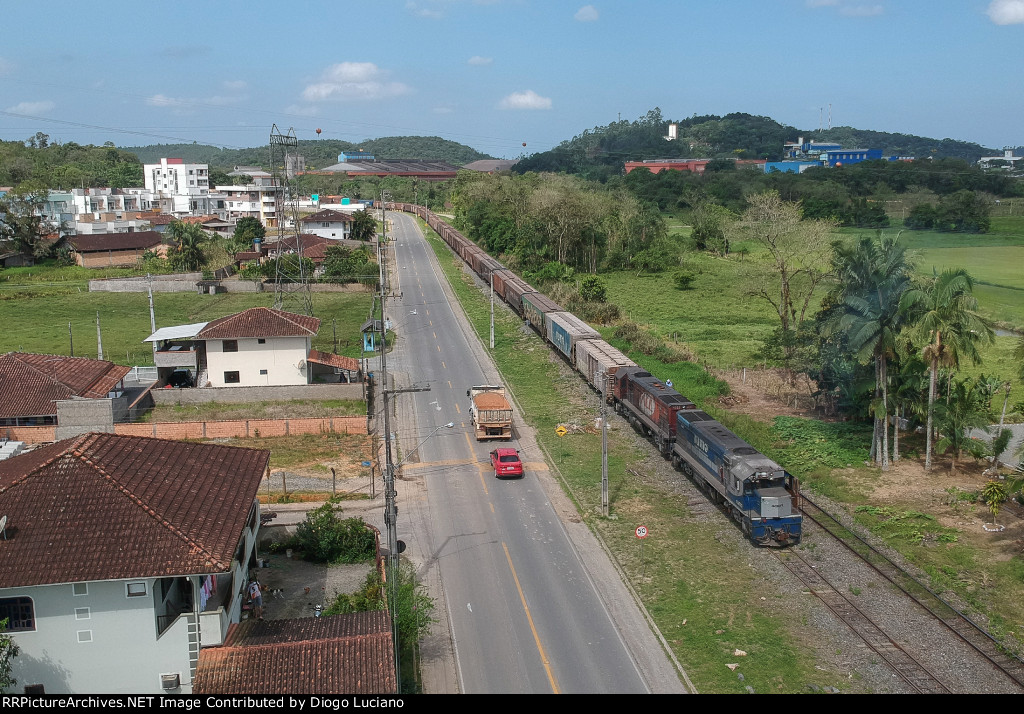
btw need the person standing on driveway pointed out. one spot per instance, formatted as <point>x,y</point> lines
<point>256,598</point>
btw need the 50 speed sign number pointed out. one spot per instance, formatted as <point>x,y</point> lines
<point>641,531</point>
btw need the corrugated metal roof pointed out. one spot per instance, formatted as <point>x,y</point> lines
<point>177,332</point>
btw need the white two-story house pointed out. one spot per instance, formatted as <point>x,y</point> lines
<point>258,347</point>
<point>328,224</point>
<point>122,557</point>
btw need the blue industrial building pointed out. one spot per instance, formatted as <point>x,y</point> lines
<point>845,157</point>
<point>792,167</point>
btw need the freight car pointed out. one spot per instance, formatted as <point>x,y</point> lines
<point>758,493</point>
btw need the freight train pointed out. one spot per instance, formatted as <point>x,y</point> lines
<point>754,490</point>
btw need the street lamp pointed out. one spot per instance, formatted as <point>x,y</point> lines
<point>449,425</point>
<point>390,520</point>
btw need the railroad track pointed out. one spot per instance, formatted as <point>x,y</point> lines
<point>909,669</point>
<point>956,621</point>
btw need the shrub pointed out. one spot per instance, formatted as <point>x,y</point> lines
<point>684,280</point>
<point>324,538</point>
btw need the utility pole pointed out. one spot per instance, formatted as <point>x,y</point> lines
<point>71,336</point>
<point>152,314</point>
<point>99,338</point>
<point>604,444</point>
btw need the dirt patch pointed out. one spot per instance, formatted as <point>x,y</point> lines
<point>767,393</point>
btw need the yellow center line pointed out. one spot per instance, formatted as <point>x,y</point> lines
<point>457,410</point>
<point>444,365</point>
<point>438,348</point>
<point>533,628</point>
<point>435,337</point>
<point>450,385</point>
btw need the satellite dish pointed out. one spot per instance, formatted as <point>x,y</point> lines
<point>301,364</point>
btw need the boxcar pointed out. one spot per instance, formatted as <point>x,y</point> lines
<point>535,307</point>
<point>515,288</point>
<point>595,358</point>
<point>564,330</point>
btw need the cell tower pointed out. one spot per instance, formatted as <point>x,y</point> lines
<point>291,277</point>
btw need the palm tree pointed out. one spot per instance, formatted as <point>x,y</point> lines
<point>967,409</point>
<point>188,253</point>
<point>945,313</point>
<point>873,275</point>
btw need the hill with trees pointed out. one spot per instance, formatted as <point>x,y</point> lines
<point>66,166</point>
<point>317,152</point>
<point>600,152</point>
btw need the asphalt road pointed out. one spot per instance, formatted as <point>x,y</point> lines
<point>528,601</point>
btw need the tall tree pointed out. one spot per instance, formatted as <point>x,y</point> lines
<point>364,227</point>
<point>873,274</point>
<point>22,226</point>
<point>798,250</point>
<point>946,315</point>
<point>189,239</point>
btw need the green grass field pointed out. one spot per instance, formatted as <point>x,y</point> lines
<point>35,318</point>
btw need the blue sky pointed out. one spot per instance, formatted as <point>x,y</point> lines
<point>493,74</point>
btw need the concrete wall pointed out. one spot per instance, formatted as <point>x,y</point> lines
<point>177,283</point>
<point>186,283</point>
<point>79,416</point>
<point>237,395</point>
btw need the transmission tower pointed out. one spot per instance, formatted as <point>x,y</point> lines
<point>291,277</point>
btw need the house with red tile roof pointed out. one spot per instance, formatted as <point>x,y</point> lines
<point>336,654</point>
<point>31,385</point>
<point>123,557</point>
<point>258,347</point>
<point>328,224</point>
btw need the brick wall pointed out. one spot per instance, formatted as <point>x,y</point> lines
<point>245,428</point>
<point>29,434</point>
<point>240,428</point>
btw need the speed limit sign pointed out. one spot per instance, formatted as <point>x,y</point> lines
<point>641,531</point>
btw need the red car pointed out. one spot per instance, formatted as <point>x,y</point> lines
<point>506,463</point>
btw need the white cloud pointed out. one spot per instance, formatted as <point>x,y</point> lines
<point>1006,12</point>
<point>421,11</point>
<point>353,81</point>
<point>587,13</point>
<point>525,100</point>
<point>861,10</point>
<point>479,61</point>
<point>31,107</point>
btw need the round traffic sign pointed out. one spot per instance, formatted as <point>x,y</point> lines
<point>641,531</point>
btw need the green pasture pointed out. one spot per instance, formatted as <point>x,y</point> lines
<point>35,318</point>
